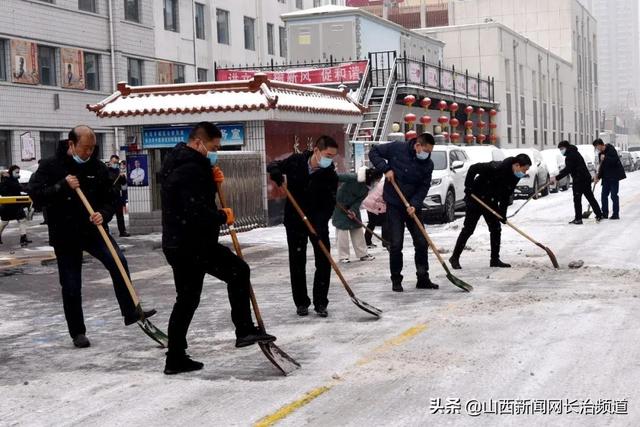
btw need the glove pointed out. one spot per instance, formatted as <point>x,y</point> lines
<point>277,177</point>
<point>228,213</point>
<point>218,176</point>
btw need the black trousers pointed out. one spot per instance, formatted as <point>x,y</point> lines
<point>472,215</point>
<point>375,220</point>
<point>297,239</point>
<point>397,219</point>
<point>584,189</point>
<point>120,218</point>
<point>69,260</point>
<point>189,276</point>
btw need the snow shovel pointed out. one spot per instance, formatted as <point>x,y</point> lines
<point>587,213</point>
<point>552,256</point>
<point>147,327</point>
<point>281,360</point>
<point>361,304</point>
<point>360,223</point>
<point>529,199</point>
<point>453,279</point>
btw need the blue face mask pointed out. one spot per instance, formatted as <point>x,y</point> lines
<point>115,166</point>
<point>79,160</point>
<point>325,162</point>
<point>563,151</point>
<point>519,174</point>
<point>16,174</point>
<point>213,157</point>
<point>423,155</point>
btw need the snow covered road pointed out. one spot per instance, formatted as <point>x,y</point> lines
<point>527,334</point>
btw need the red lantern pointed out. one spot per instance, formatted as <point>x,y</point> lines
<point>493,125</point>
<point>425,103</point>
<point>468,138</point>
<point>442,105</point>
<point>425,120</point>
<point>469,110</point>
<point>455,136</point>
<point>493,139</point>
<point>480,111</point>
<point>409,100</point>
<point>410,135</point>
<point>453,107</point>
<point>446,135</point>
<point>493,112</point>
<point>482,138</point>
<point>468,124</point>
<point>454,122</point>
<point>481,124</point>
<point>443,120</point>
<point>410,118</point>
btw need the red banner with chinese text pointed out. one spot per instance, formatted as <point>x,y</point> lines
<point>350,72</point>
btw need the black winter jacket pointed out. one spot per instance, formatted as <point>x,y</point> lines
<point>412,175</point>
<point>576,167</point>
<point>117,180</point>
<point>611,166</point>
<point>191,220</point>
<point>493,182</point>
<point>315,192</point>
<point>11,187</point>
<point>68,219</point>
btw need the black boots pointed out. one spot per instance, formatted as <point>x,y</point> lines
<point>321,310</point>
<point>426,283</point>
<point>576,221</point>
<point>253,336</point>
<point>81,341</point>
<point>131,320</point>
<point>455,262</point>
<point>179,363</point>
<point>396,284</point>
<point>302,311</point>
<point>24,241</point>
<point>498,263</point>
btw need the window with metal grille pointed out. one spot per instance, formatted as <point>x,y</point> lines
<point>132,10</point>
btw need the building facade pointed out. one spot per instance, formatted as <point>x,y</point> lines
<point>56,56</point>
<point>564,28</point>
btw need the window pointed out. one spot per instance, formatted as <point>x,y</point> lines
<point>249,33</point>
<point>316,3</point>
<point>535,137</point>
<point>104,152</point>
<point>521,68</point>
<point>200,32</point>
<point>171,15</point>
<point>88,5</point>
<point>535,114</point>
<point>283,41</point>
<point>270,41</point>
<point>299,4</point>
<point>178,73</point>
<point>222,24</point>
<point>3,60</point>
<point>92,71</point>
<point>134,72</point>
<point>132,10</point>
<point>48,144</point>
<point>47,65</point>
<point>507,75</point>
<point>522,111</point>
<point>203,75</point>
<point>509,109</point>
<point>282,1</point>
<point>509,136</point>
<point>523,133</point>
<point>5,149</point>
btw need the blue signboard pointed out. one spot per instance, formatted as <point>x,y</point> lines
<point>164,137</point>
<point>169,136</point>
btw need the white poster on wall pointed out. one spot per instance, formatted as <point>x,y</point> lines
<point>27,147</point>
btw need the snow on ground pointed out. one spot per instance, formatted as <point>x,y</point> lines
<point>529,332</point>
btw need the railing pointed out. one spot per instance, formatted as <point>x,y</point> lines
<point>364,93</point>
<point>414,72</point>
<point>389,97</point>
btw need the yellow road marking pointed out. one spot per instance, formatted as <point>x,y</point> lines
<point>289,408</point>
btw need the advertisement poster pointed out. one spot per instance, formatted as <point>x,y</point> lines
<point>432,77</point>
<point>165,73</point>
<point>24,62</point>
<point>447,80</point>
<point>232,134</point>
<point>415,73</point>
<point>72,68</point>
<point>137,170</point>
<point>27,147</point>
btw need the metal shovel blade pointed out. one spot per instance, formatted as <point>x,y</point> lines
<point>586,214</point>
<point>366,307</point>
<point>551,255</point>
<point>459,283</point>
<point>154,333</point>
<point>281,360</point>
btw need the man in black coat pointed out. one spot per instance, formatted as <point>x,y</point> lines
<point>581,177</point>
<point>313,182</point>
<point>72,230</point>
<point>118,179</point>
<point>493,183</point>
<point>190,228</point>
<point>611,172</point>
<point>410,165</point>
<point>10,186</point>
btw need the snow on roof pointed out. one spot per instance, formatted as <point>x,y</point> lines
<point>329,8</point>
<point>256,94</point>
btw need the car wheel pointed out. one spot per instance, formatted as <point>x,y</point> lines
<point>535,189</point>
<point>545,192</point>
<point>449,208</point>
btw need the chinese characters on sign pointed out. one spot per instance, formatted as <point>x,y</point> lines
<point>345,73</point>
<point>169,136</point>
